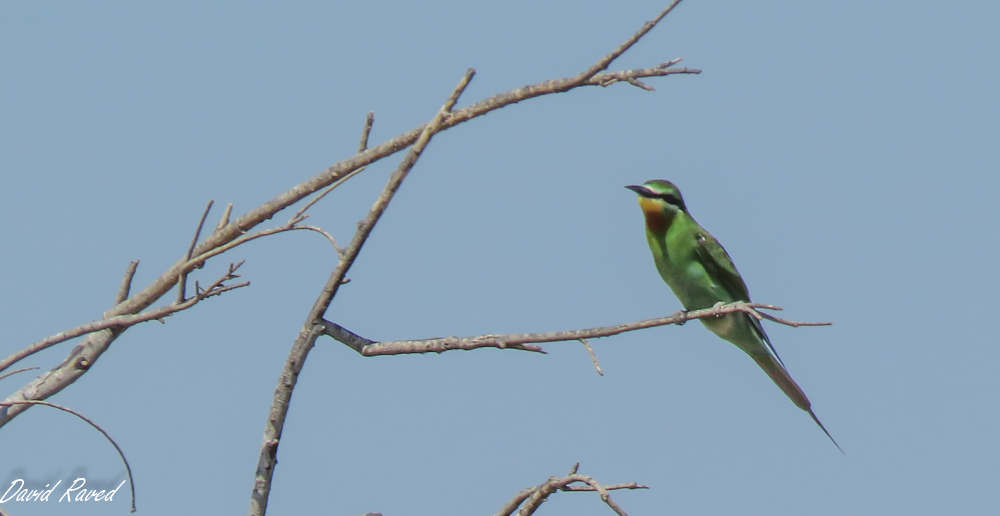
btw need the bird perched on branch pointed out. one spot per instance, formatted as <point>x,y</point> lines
<point>701,274</point>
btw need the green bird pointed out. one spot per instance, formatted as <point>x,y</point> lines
<point>701,274</point>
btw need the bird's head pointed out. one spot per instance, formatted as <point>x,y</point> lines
<point>660,201</point>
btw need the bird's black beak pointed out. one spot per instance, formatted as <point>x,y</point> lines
<point>641,190</point>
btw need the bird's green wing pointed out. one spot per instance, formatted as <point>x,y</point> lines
<point>718,264</point>
<point>716,261</point>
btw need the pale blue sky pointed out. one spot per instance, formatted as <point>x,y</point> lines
<point>845,153</point>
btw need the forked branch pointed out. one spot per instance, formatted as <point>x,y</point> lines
<point>312,328</point>
<point>120,322</point>
<point>531,498</point>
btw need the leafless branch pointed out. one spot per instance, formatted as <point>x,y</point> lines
<point>126,284</point>
<point>366,131</point>
<point>224,221</point>
<point>312,329</point>
<point>64,374</point>
<point>779,320</point>
<point>128,469</point>
<point>593,357</point>
<point>604,62</point>
<point>526,341</point>
<point>182,279</point>
<point>323,232</point>
<point>362,146</point>
<point>531,498</point>
<point>123,321</point>
<point>12,373</point>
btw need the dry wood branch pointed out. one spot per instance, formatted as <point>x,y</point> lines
<point>124,321</point>
<point>182,279</point>
<point>107,436</point>
<point>605,62</point>
<point>531,498</point>
<point>126,284</point>
<point>224,221</point>
<point>312,329</point>
<point>526,341</point>
<point>64,374</point>
<point>593,357</point>
<point>365,131</point>
<point>12,373</point>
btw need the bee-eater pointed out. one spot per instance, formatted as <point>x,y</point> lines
<point>701,274</point>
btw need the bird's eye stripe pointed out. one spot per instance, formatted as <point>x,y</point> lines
<point>671,198</point>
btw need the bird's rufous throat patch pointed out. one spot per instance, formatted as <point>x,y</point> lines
<point>656,220</point>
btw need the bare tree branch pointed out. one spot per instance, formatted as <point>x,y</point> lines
<point>605,62</point>
<point>126,284</point>
<point>312,328</point>
<point>365,131</point>
<point>123,321</point>
<point>107,436</point>
<point>182,279</point>
<point>531,498</point>
<point>525,341</point>
<point>224,221</point>
<point>593,357</point>
<point>12,373</point>
<point>88,351</point>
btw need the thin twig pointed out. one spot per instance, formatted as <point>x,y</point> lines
<point>311,329</point>
<point>182,279</point>
<point>126,284</point>
<point>604,62</point>
<point>323,232</point>
<point>5,375</point>
<point>128,469</point>
<point>124,321</point>
<point>612,487</point>
<point>526,341</point>
<point>593,357</point>
<point>786,322</point>
<point>362,146</point>
<point>314,200</point>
